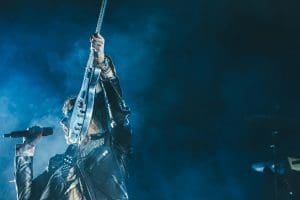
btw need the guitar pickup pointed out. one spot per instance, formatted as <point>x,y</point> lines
<point>80,115</point>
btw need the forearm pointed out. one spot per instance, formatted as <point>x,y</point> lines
<point>114,94</point>
<point>107,68</point>
<point>121,131</point>
<point>23,171</point>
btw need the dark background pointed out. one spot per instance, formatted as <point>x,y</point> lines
<point>193,73</point>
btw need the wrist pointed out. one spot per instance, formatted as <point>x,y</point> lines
<point>106,70</point>
<point>100,58</point>
<point>25,150</point>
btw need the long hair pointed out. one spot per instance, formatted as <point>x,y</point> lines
<point>68,106</point>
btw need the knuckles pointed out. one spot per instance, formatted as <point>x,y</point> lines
<point>98,39</point>
<point>97,43</point>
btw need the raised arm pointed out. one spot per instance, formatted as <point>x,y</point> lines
<point>118,110</point>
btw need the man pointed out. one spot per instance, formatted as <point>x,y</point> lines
<point>95,169</point>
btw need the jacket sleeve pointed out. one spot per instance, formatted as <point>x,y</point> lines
<point>27,187</point>
<point>121,130</point>
<point>23,176</point>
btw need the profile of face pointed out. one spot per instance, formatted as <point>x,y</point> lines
<point>67,112</point>
<point>94,127</point>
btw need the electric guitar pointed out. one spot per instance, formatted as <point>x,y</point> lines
<point>83,108</point>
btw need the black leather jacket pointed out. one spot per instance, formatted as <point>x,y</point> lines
<point>97,172</point>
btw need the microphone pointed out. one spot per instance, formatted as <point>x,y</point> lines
<point>30,132</point>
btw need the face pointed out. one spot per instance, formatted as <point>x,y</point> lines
<point>64,122</point>
<point>67,112</point>
<point>94,127</point>
<point>64,125</point>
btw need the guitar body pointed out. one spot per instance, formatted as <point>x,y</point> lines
<point>90,101</point>
<point>83,108</point>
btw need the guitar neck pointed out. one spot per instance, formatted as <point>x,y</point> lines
<point>101,16</point>
<point>98,29</point>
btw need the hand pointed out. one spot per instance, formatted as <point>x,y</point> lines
<point>35,135</point>
<point>97,46</point>
<point>28,146</point>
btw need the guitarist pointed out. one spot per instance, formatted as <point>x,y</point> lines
<point>94,169</point>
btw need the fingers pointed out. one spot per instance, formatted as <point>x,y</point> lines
<point>97,39</point>
<point>97,46</point>
<point>32,140</point>
<point>35,135</point>
<point>97,43</point>
<point>25,150</point>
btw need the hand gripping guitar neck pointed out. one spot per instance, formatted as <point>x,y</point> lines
<point>83,108</point>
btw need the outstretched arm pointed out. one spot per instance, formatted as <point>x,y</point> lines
<point>27,187</point>
<point>23,170</point>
